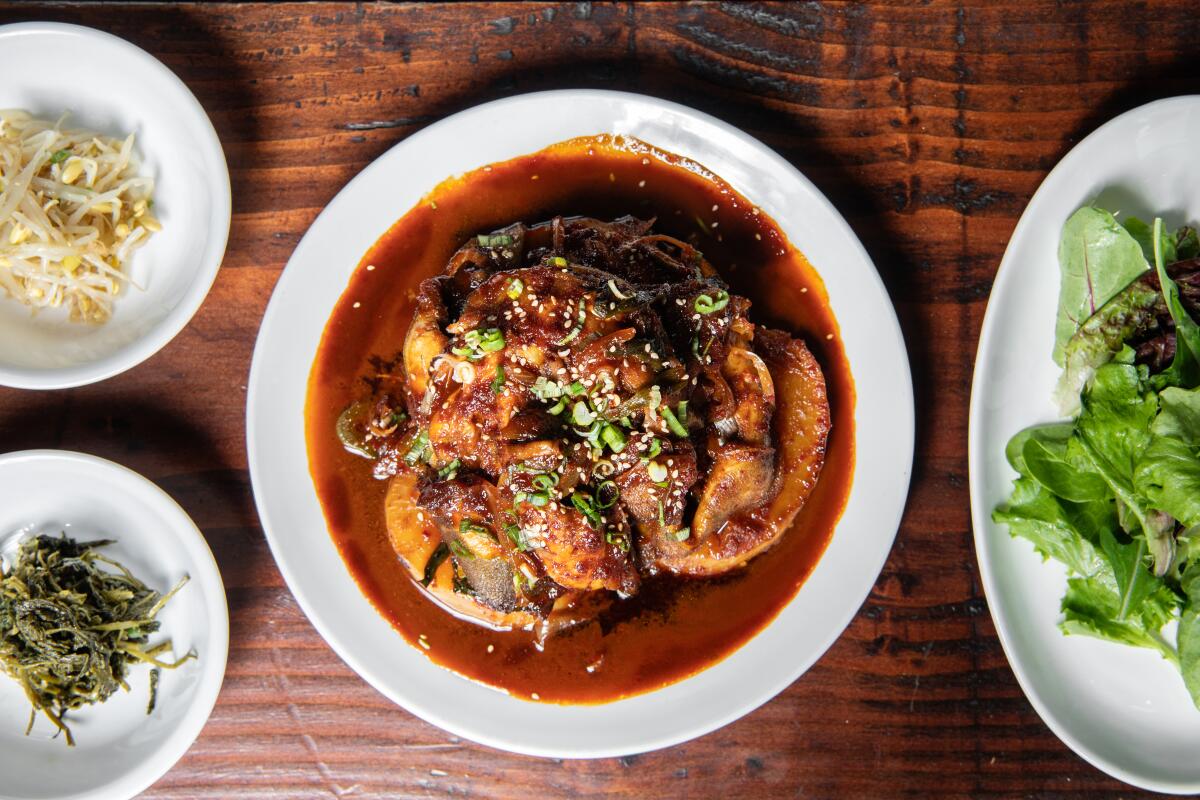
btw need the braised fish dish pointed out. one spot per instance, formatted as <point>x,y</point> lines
<point>581,423</point>
<point>579,405</point>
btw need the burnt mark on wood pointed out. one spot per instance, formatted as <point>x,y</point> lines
<point>504,25</point>
<point>809,22</point>
<point>581,10</point>
<point>745,80</point>
<point>743,51</point>
<point>399,122</point>
<point>505,55</point>
<point>403,41</point>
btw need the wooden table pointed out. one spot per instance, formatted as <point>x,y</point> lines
<point>929,127</point>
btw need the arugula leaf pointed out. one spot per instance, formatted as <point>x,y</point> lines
<point>1098,258</point>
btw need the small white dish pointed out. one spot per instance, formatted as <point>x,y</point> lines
<point>119,749</point>
<point>112,86</point>
<point>295,527</point>
<point>1123,709</point>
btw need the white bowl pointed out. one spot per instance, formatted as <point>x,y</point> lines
<point>112,86</point>
<point>317,274</point>
<point>1123,709</point>
<point>119,750</point>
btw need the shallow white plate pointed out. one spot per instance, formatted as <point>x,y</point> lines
<point>1123,709</point>
<point>119,750</point>
<point>316,276</point>
<point>114,87</point>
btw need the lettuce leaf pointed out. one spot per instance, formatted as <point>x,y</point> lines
<point>1098,258</point>
<point>1100,338</point>
<point>1114,430</point>
<point>1054,527</point>
<point>1189,632</point>
<point>1090,608</point>
<point>1178,415</point>
<point>1168,476</point>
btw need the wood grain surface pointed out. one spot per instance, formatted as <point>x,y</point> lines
<point>928,125</point>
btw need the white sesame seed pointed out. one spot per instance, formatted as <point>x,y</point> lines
<point>715,207</point>
<point>370,267</point>
<point>491,648</point>
<point>641,184</point>
<point>357,305</point>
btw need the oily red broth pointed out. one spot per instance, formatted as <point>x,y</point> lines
<point>675,626</point>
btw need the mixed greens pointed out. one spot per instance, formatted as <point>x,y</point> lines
<point>1114,494</point>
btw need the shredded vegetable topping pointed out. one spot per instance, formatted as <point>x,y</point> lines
<point>72,210</point>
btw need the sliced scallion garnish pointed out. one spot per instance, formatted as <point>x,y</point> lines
<point>673,422</point>
<point>708,304</point>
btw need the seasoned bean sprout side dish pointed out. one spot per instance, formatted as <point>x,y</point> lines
<point>581,424</point>
<point>73,208</point>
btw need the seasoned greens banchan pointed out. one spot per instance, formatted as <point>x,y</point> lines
<point>577,407</point>
<point>72,622</point>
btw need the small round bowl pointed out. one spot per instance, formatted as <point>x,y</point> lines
<point>119,749</point>
<point>109,85</point>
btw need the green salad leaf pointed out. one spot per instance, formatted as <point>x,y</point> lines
<point>1144,234</point>
<point>1098,258</point>
<point>1189,630</point>
<point>1100,338</point>
<point>1179,415</point>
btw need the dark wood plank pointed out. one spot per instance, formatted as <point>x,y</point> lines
<point>929,125</point>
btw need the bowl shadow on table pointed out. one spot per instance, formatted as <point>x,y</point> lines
<point>174,452</point>
<point>1151,83</point>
